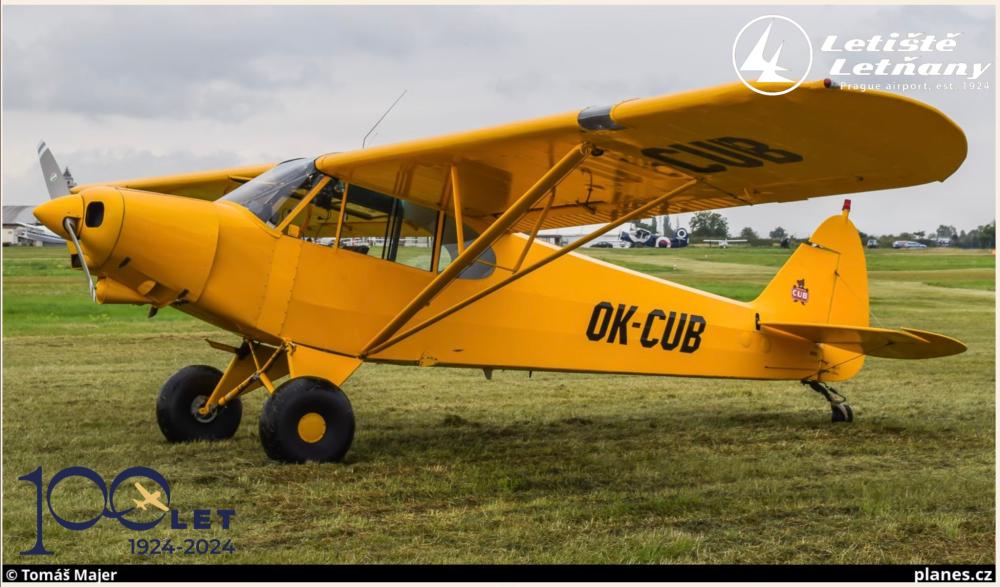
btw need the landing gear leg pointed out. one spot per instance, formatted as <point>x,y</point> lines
<point>841,411</point>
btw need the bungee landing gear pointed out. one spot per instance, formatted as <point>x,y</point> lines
<point>306,418</point>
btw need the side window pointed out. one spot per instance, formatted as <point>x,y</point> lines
<point>366,221</point>
<point>378,225</point>
<point>317,222</point>
<point>484,265</point>
<point>382,226</point>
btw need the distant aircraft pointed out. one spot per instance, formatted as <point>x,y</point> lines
<point>724,242</point>
<point>58,183</point>
<point>148,498</point>
<point>39,233</point>
<point>236,248</point>
<point>645,238</point>
<point>908,245</point>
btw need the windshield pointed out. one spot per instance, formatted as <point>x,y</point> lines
<point>268,194</point>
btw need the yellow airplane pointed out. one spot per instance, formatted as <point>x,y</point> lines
<point>148,498</point>
<point>425,253</point>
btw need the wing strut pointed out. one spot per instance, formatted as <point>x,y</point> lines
<point>509,218</point>
<point>639,212</point>
<point>456,198</point>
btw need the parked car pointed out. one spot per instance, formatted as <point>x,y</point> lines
<point>908,245</point>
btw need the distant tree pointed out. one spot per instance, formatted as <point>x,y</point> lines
<point>710,225</point>
<point>647,224</point>
<point>778,233</point>
<point>988,235</point>
<point>970,240</point>
<point>749,234</point>
<point>944,231</point>
<point>665,228</point>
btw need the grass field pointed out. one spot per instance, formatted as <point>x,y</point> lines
<point>448,467</point>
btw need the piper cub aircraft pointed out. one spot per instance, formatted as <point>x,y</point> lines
<point>314,262</point>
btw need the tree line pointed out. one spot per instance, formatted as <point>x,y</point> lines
<point>714,225</point>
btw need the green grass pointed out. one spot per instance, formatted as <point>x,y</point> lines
<point>878,259</point>
<point>448,467</point>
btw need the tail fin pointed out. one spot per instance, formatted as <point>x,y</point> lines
<point>824,282</point>
<point>821,295</point>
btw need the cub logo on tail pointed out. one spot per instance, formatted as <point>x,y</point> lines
<point>799,292</point>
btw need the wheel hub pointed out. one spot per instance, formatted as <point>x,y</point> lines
<point>312,427</point>
<point>196,405</point>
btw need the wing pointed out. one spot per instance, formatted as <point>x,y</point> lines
<point>142,491</point>
<point>741,147</point>
<point>904,343</point>
<point>204,185</point>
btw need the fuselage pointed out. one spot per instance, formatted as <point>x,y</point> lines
<point>221,263</point>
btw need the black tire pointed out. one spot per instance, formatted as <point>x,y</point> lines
<point>842,413</point>
<point>290,428</point>
<point>180,397</point>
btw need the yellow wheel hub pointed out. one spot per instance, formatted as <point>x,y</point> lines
<point>312,427</point>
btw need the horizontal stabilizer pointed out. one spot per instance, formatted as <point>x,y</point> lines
<point>904,343</point>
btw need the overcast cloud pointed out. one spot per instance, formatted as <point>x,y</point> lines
<point>132,91</point>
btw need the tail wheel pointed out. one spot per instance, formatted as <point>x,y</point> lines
<point>307,419</point>
<point>842,412</point>
<point>179,401</point>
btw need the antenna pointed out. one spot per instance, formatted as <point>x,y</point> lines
<point>381,118</point>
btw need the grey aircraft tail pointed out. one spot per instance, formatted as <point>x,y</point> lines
<point>59,182</point>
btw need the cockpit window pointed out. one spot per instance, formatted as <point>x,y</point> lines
<point>272,194</point>
<point>382,226</point>
<point>366,221</point>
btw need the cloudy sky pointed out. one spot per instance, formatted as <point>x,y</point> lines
<point>133,91</point>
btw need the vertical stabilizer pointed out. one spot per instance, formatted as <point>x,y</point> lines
<point>825,281</point>
<point>57,181</point>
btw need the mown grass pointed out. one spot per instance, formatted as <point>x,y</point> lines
<point>449,467</point>
<point>878,259</point>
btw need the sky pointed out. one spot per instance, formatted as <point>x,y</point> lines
<point>132,91</point>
